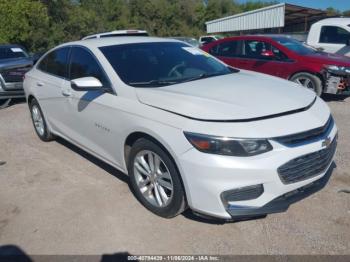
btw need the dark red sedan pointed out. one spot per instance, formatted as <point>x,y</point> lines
<point>287,58</point>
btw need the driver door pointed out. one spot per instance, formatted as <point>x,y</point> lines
<point>93,118</point>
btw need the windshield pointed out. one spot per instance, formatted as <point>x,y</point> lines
<point>295,45</point>
<point>161,63</point>
<point>12,52</point>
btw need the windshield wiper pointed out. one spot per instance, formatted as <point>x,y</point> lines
<point>154,82</point>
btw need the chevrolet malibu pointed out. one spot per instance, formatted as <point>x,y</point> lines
<point>190,131</point>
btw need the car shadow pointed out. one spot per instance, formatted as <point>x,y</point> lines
<point>11,253</point>
<point>333,97</point>
<point>103,165</point>
<point>14,101</point>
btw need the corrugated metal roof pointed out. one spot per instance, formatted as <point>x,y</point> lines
<point>267,17</point>
<point>280,15</point>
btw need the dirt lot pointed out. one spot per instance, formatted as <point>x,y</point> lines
<point>56,199</point>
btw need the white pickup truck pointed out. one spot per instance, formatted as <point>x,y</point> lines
<point>331,35</point>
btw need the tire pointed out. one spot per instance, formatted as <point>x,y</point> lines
<point>308,80</point>
<point>145,185</point>
<point>39,122</point>
<point>4,103</point>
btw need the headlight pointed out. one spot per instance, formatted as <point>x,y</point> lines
<point>339,70</point>
<point>228,146</point>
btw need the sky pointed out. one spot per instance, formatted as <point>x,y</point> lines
<point>341,5</point>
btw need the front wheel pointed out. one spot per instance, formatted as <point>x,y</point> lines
<point>155,180</point>
<point>309,81</point>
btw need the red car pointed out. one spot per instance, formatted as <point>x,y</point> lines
<point>287,58</point>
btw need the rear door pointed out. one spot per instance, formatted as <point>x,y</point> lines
<point>47,83</point>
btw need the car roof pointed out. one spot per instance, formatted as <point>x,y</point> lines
<point>118,40</point>
<point>251,37</point>
<point>130,32</point>
<point>335,21</point>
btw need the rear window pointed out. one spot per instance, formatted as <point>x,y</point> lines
<point>228,49</point>
<point>12,52</point>
<point>56,62</point>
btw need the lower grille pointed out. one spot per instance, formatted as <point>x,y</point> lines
<point>307,166</point>
<point>242,193</point>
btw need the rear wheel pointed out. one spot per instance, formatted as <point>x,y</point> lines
<point>39,122</point>
<point>4,103</point>
<point>155,180</point>
<point>309,81</point>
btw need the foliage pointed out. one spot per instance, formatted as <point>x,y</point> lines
<point>41,24</point>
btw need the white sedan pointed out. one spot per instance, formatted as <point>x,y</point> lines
<point>190,131</point>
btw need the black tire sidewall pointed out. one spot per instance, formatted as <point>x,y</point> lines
<point>177,204</point>
<point>316,81</point>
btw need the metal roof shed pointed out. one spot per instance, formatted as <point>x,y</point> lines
<point>287,16</point>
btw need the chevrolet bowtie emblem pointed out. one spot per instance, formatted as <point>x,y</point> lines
<point>327,142</point>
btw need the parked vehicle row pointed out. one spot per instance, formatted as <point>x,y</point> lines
<point>189,130</point>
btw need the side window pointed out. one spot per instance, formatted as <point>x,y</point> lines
<point>228,49</point>
<point>334,35</point>
<point>83,64</point>
<point>55,62</point>
<point>254,48</point>
<point>279,55</point>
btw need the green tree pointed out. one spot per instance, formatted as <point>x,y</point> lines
<point>24,22</point>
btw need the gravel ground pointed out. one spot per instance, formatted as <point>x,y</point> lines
<point>56,199</point>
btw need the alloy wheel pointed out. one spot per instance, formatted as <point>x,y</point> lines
<point>306,82</point>
<point>38,120</point>
<point>153,178</point>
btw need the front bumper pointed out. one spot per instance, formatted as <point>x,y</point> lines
<point>11,94</point>
<point>281,203</point>
<point>11,90</point>
<point>207,176</point>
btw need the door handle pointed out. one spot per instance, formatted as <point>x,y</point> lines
<point>66,92</point>
<point>39,84</point>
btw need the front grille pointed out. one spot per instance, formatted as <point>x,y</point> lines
<point>307,136</point>
<point>307,166</point>
<point>14,75</point>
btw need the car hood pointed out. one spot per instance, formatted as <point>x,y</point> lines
<point>239,96</point>
<point>6,64</point>
<point>329,59</point>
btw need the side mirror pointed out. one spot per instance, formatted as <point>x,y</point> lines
<point>267,53</point>
<point>86,84</point>
<point>320,49</point>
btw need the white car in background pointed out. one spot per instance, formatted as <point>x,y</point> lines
<point>188,130</point>
<point>331,35</point>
